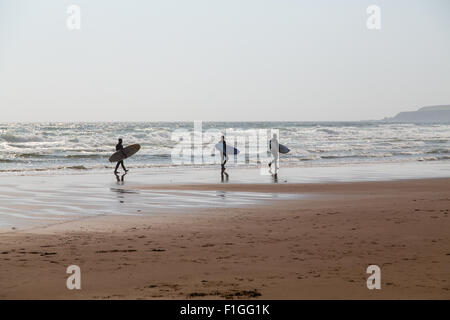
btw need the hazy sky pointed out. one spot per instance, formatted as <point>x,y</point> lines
<point>221,60</point>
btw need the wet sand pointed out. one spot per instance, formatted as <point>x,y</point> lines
<point>306,248</point>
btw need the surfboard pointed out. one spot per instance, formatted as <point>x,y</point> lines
<point>127,152</point>
<point>283,149</point>
<point>230,149</point>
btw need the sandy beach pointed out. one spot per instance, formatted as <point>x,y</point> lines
<point>224,150</point>
<point>313,247</point>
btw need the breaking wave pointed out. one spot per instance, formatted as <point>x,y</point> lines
<point>13,138</point>
<point>85,146</point>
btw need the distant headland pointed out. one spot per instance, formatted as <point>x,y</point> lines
<point>431,114</point>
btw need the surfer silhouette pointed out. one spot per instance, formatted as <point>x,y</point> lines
<point>119,146</point>
<point>223,153</point>
<point>274,147</point>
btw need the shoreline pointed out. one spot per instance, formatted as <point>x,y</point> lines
<point>166,168</point>
<point>33,200</point>
<point>313,248</point>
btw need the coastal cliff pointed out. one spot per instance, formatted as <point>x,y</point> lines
<point>435,114</point>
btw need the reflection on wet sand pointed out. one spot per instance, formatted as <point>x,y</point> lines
<point>221,194</point>
<point>224,176</point>
<point>60,199</point>
<point>120,178</point>
<point>275,178</point>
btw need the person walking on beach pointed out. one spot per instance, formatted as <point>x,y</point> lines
<point>223,153</point>
<point>274,147</point>
<point>119,146</point>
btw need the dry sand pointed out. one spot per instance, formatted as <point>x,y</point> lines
<point>291,249</point>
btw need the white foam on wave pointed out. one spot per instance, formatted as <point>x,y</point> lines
<point>59,145</point>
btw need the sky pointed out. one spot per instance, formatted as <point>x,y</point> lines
<point>221,60</point>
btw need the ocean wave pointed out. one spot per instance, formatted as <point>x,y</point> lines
<point>33,155</point>
<point>49,169</point>
<point>406,153</point>
<point>62,145</point>
<point>306,159</point>
<point>434,158</point>
<point>85,156</point>
<point>329,131</point>
<point>7,161</point>
<point>356,156</point>
<point>75,168</point>
<point>13,138</point>
<point>37,144</point>
<point>438,151</point>
<point>302,162</point>
<point>59,156</point>
<point>160,156</point>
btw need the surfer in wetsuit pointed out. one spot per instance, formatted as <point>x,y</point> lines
<point>223,153</point>
<point>274,147</point>
<point>119,146</point>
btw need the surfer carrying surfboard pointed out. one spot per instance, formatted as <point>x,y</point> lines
<point>223,153</point>
<point>274,147</point>
<point>119,147</point>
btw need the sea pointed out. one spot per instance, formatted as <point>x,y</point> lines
<point>27,148</point>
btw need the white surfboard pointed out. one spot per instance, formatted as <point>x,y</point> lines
<point>230,149</point>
